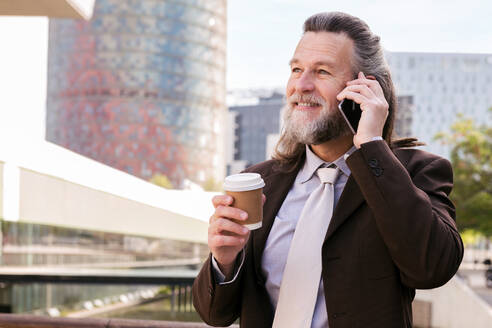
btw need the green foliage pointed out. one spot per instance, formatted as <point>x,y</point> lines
<point>470,237</point>
<point>471,157</point>
<point>164,290</point>
<point>162,181</point>
<point>211,185</point>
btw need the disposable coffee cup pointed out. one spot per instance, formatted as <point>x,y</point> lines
<point>246,190</point>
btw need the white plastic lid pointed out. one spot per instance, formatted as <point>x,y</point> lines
<point>243,182</point>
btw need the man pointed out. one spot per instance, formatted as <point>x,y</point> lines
<point>392,228</point>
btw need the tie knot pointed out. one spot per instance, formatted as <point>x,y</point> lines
<point>327,174</point>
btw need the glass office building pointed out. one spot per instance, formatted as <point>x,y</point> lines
<point>141,87</point>
<point>442,86</point>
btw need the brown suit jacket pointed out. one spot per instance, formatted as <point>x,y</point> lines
<point>393,230</point>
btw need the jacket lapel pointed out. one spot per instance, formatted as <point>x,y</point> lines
<point>349,201</point>
<point>277,185</point>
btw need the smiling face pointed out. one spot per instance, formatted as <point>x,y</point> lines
<point>320,68</point>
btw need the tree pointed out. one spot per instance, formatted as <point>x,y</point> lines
<point>161,180</point>
<point>471,157</point>
<point>211,185</point>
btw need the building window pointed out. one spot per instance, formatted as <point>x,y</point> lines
<point>411,62</point>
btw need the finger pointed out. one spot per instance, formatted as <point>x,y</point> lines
<point>221,240</point>
<point>355,96</point>
<point>224,200</point>
<point>230,213</point>
<point>362,89</point>
<point>263,199</point>
<point>373,85</point>
<point>222,225</point>
<point>370,81</point>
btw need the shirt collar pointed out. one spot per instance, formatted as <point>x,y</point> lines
<point>313,162</point>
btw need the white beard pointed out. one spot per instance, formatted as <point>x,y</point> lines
<point>305,128</point>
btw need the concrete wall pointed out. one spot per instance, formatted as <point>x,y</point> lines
<point>1,188</point>
<point>50,8</point>
<point>46,199</point>
<point>455,305</point>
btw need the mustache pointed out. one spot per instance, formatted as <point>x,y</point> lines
<point>308,98</point>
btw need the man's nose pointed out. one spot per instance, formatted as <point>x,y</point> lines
<point>305,83</point>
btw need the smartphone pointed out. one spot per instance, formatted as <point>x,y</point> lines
<point>351,113</point>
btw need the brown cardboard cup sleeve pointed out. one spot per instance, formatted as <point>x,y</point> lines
<point>247,190</point>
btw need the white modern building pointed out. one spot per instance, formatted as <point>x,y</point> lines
<point>61,210</point>
<point>443,85</point>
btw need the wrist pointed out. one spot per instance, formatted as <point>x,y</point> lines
<point>226,269</point>
<point>364,139</point>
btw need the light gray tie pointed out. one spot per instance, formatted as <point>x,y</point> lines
<point>302,273</point>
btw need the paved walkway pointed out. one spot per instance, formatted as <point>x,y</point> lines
<point>475,278</point>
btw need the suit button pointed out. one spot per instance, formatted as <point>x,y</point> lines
<point>338,315</point>
<point>373,163</point>
<point>377,171</point>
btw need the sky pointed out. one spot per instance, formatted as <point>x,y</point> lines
<point>23,76</point>
<point>262,34</point>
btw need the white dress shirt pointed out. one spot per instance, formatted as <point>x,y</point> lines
<point>280,236</point>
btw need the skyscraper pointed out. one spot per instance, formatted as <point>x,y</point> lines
<point>141,87</point>
<point>443,86</point>
<point>253,124</point>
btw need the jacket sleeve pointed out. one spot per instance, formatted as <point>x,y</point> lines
<point>218,304</point>
<point>413,213</point>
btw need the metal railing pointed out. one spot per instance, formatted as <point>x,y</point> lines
<point>32,321</point>
<point>180,295</point>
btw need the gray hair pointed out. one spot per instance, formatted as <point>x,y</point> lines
<point>368,57</point>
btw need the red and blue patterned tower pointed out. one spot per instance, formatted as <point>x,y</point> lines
<point>141,86</point>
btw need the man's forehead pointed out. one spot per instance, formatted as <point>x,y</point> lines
<point>321,62</point>
<point>323,48</point>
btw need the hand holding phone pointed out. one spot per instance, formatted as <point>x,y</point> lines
<point>369,94</point>
<point>351,112</point>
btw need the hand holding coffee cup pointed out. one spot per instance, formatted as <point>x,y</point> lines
<point>246,189</point>
<point>228,231</point>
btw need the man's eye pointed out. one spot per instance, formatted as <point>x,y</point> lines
<point>322,71</point>
<point>296,70</point>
